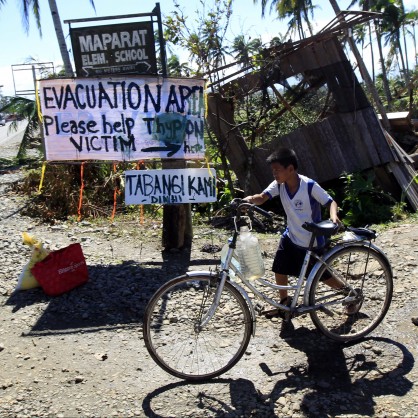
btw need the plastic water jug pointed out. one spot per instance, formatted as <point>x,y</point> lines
<point>249,254</point>
<point>235,262</point>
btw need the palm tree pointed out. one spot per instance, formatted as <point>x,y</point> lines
<point>245,49</point>
<point>364,73</point>
<point>27,109</point>
<point>385,80</point>
<point>360,31</point>
<point>177,69</point>
<point>377,6</point>
<point>411,18</point>
<point>32,6</point>
<point>277,40</point>
<point>211,40</point>
<point>393,21</point>
<point>61,39</point>
<point>297,10</point>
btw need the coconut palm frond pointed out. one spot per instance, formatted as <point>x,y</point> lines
<point>25,109</point>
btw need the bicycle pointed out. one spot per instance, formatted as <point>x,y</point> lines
<point>197,326</point>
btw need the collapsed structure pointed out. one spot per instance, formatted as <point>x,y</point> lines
<point>350,139</point>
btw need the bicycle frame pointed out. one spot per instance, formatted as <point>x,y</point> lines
<point>297,288</point>
<point>347,293</point>
<point>323,260</point>
<point>302,283</point>
<point>224,275</point>
<point>208,316</point>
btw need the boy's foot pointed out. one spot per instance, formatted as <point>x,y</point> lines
<point>278,313</point>
<point>353,307</point>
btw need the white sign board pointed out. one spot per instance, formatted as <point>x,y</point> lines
<point>123,119</point>
<point>194,185</point>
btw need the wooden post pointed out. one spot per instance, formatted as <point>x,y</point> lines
<point>177,219</point>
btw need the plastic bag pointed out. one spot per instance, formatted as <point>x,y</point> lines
<point>27,279</point>
<point>62,270</point>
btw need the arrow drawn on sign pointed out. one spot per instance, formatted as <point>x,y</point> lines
<point>86,70</point>
<point>171,148</point>
<point>140,64</point>
<point>139,67</point>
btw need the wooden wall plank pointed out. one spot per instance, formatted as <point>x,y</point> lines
<point>327,149</point>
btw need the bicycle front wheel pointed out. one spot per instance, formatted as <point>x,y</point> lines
<point>368,283</point>
<point>173,334</point>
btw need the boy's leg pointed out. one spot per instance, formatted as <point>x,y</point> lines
<point>282,280</point>
<point>333,282</point>
<point>283,261</point>
<point>353,307</point>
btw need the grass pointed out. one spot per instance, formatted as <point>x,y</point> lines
<point>407,219</point>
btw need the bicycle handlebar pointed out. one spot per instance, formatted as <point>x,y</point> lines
<point>242,204</point>
<point>262,212</point>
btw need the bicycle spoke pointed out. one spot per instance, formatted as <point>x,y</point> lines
<point>175,339</point>
<point>356,310</point>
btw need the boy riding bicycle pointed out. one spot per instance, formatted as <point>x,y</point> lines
<point>302,199</point>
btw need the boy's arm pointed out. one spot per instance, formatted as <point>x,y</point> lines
<point>333,212</point>
<point>257,199</point>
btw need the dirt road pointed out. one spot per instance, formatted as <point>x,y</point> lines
<point>82,354</point>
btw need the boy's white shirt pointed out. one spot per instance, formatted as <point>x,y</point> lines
<point>300,208</point>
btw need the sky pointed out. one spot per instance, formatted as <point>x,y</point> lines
<point>18,47</point>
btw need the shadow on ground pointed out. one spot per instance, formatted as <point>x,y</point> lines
<point>343,378</point>
<point>335,380</point>
<point>115,296</point>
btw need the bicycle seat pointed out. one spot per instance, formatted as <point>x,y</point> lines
<point>363,232</point>
<point>325,228</point>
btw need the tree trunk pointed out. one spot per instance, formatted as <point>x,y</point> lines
<point>415,43</point>
<point>177,219</point>
<point>369,26</point>
<point>385,81</point>
<point>401,56</point>
<point>364,73</point>
<point>61,39</point>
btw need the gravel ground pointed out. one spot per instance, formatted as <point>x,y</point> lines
<point>82,354</point>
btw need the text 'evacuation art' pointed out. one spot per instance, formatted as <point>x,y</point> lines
<point>123,119</point>
<point>192,185</point>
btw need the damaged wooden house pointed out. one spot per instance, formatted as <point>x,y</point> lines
<point>347,138</point>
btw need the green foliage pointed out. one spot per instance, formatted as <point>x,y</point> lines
<point>27,110</point>
<point>60,194</point>
<point>401,95</point>
<point>177,69</point>
<point>224,196</point>
<point>202,36</point>
<point>399,209</point>
<point>245,50</point>
<point>364,203</point>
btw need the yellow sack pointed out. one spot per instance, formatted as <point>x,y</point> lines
<point>26,278</point>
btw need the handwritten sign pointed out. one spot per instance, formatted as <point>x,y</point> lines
<point>195,185</point>
<point>123,119</point>
<point>127,48</point>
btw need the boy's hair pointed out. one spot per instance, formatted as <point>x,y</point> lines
<point>285,157</point>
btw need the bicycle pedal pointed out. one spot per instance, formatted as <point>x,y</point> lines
<point>274,313</point>
<point>259,308</point>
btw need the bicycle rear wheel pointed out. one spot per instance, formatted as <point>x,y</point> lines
<point>173,335</point>
<point>368,283</point>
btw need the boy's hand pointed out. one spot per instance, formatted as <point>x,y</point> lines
<point>333,213</point>
<point>257,199</point>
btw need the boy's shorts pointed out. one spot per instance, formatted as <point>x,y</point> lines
<point>289,259</point>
